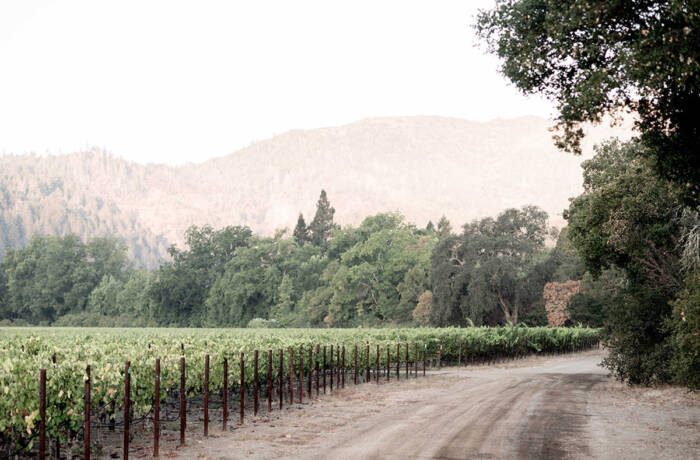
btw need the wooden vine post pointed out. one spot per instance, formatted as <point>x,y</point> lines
<point>156,411</point>
<point>242,409</point>
<point>206,395</point>
<point>281,379</point>
<point>183,402</point>
<point>269,380</point>
<point>376,371</point>
<point>127,408</point>
<point>86,415</point>
<point>291,376</point>
<point>311,355</point>
<point>224,402</point>
<point>256,383</point>
<point>301,375</point>
<point>355,368</point>
<point>367,362</point>
<point>42,414</point>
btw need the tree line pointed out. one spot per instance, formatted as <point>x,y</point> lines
<point>631,239</point>
<point>382,272</point>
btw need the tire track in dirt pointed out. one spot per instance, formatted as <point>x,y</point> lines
<point>491,413</point>
<point>539,408</point>
<point>481,425</point>
<point>556,428</point>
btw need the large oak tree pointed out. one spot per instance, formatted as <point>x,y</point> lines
<point>600,57</point>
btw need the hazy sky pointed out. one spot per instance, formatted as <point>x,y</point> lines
<point>168,81</point>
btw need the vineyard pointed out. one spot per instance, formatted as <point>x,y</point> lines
<point>92,380</point>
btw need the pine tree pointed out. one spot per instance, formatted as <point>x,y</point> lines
<point>430,228</point>
<point>320,228</point>
<point>301,232</point>
<point>444,228</point>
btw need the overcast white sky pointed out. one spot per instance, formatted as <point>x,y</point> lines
<point>168,81</point>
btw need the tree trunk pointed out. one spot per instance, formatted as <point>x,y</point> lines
<point>509,312</point>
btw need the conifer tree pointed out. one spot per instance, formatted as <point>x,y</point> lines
<point>320,228</point>
<point>444,228</point>
<point>301,232</point>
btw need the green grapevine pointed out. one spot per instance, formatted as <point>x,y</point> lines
<point>24,351</point>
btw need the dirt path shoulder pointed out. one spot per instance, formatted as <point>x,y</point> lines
<point>540,408</point>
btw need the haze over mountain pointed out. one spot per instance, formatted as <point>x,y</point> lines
<point>423,167</point>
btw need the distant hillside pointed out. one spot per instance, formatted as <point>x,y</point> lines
<point>421,166</point>
<point>61,195</point>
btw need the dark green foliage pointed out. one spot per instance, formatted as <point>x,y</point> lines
<point>5,311</point>
<point>586,310</point>
<point>181,287</point>
<point>444,228</point>
<point>321,227</point>
<point>103,299</point>
<point>629,218</point>
<point>494,271</point>
<point>639,351</point>
<point>597,293</point>
<point>129,297</point>
<point>383,272</point>
<point>449,280</point>
<point>375,276</point>
<point>569,265</point>
<point>502,255</point>
<point>301,233</point>
<point>54,276</point>
<point>626,216</point>
<point>684,327</point>
<point>535,315</point>
<point>87,319</point>
<point>265,280</point>
<point>598,57</point>
<point>245,290</point>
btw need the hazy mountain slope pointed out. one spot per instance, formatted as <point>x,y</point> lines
<point>421,166</point>
<point>54,195</point>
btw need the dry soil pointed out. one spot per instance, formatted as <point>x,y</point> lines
<point>539,408</point>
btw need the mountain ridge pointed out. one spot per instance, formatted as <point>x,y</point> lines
<point>422,166</point>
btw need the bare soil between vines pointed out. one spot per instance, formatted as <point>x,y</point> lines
<point>540,408</point>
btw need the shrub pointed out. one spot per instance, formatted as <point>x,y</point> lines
<point>684,326</point>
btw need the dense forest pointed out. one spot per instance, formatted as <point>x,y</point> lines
<point>383,272</point>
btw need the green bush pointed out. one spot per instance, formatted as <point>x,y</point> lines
<point>586,310</point>
<point>535,315</point>
<point>639,348</point>
<point>685,334</point>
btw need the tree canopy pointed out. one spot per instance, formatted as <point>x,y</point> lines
<point>600,57</point>
<point>384,271</point>
<point>181,286</point>
<point>494,271</point>
<point>53,276</point>
<point>629,218</point>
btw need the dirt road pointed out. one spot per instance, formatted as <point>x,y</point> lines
<point>541,408</point>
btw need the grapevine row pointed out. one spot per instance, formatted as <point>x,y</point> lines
<point>67,353</point>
